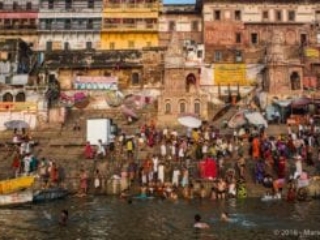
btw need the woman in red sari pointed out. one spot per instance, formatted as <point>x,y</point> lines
<point>256,148</point>
<point>88,151</point>
<point>282,167</point>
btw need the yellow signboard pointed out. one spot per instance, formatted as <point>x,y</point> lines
<point>12,185</point>
<point>230,74</point>
<point>311,53</point>
<point>18,106</point>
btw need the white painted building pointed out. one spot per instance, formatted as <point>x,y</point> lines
<point>69,24</point>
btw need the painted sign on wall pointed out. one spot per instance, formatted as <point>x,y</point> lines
<point>18,106</point>
<point>95,83</point>
<point>233,74</point>
<point>311,52</point>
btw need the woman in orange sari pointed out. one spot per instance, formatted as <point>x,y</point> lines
<point>256,148</point>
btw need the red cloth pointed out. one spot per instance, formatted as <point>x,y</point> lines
<point>282,167</point>
<point>88,151</point>
<point>211,168</point>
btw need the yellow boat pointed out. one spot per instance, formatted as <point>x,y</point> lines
<point>16,184</point>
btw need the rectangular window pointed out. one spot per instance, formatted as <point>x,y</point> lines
<point>29,5</point>
<point>48,24</point>
<point>15,6</point>
<point>90,24</point>
<point>51,4</point>
<point>238,56</point>
<point>238,37</point>
<point>195,26</point>
<point>237,15</point>
<point>217,15</point>
<point>254,38</point>
<point>68,4</point>
<point>291,16</point>
<point>32,22</point>
<point>67,24</point>
<point>131,44</point>
<point>66,46</point>
<point>279,16</point>
<point>265,15</point>
<point>90,3</point>
<point>1,5</point>
<point>199,54</point>
<point>303,39</point>
<point>318,16</point>
<point>49,46</point>
<point>112,45</point>
<point>172,26</point>
<point>89,45</point>
<point>217,56</point>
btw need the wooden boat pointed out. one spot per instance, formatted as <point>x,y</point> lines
<point>16,198</point>
<point>49,194</point>
<point>16,184</point>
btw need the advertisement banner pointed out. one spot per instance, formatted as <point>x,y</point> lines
<point>230,74</point>
<point>96,83</point>
<point>18,106</point>
<point>311,53</point>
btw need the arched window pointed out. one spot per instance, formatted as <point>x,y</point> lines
<point>190,81</point>
<point>7,97</point>
<point>295,81</point>
<point>20,97</point>
<point>182,106</point>
<point>135,78</point>
<point>197,107</point>
<point>168,108</point>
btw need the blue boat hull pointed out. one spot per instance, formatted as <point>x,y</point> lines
<point>49,194</point>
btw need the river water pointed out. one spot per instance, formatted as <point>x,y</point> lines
<point>113,219</point>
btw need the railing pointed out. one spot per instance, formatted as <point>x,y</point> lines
<point>18,27</point>
<point>132,6</point>
<point>133,26</point>
<point>19,8</point>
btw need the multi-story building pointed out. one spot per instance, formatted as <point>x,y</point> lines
<point>130,24</point>
<point>238,34</point>
<point>18,19</point>
<point>69,24</point>
<point>183,19</point>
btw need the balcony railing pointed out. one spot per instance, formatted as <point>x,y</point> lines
<point>18,27</point>
<point>130,27</point>
<point>68,28</point>
<point>131,6</point>
<point>19,8</point>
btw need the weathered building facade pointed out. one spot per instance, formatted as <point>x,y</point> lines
<point>19,19</point>
<point>69,24</point>
<point>184,20</point>
<point>271,33</point>
<point>130,24</point>
<point>181,94</point>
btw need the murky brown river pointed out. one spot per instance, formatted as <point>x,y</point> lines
<point>113,219</point>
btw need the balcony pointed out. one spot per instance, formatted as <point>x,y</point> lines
<point>17,29</point>
<point>19,8</point>
<point>69,28</point>
<point>132,27</point>
<point>139,7</point>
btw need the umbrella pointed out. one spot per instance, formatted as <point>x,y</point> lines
<point>16,124</point>
<point>129,112</point>
<point>190,121</point>
<point>255,118</point>
<point>300,102</point>
<point>238,120</point>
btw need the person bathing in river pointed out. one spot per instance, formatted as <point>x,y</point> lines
<point>224,217</point>
<point>198,224</point>
<point>64,215</point>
